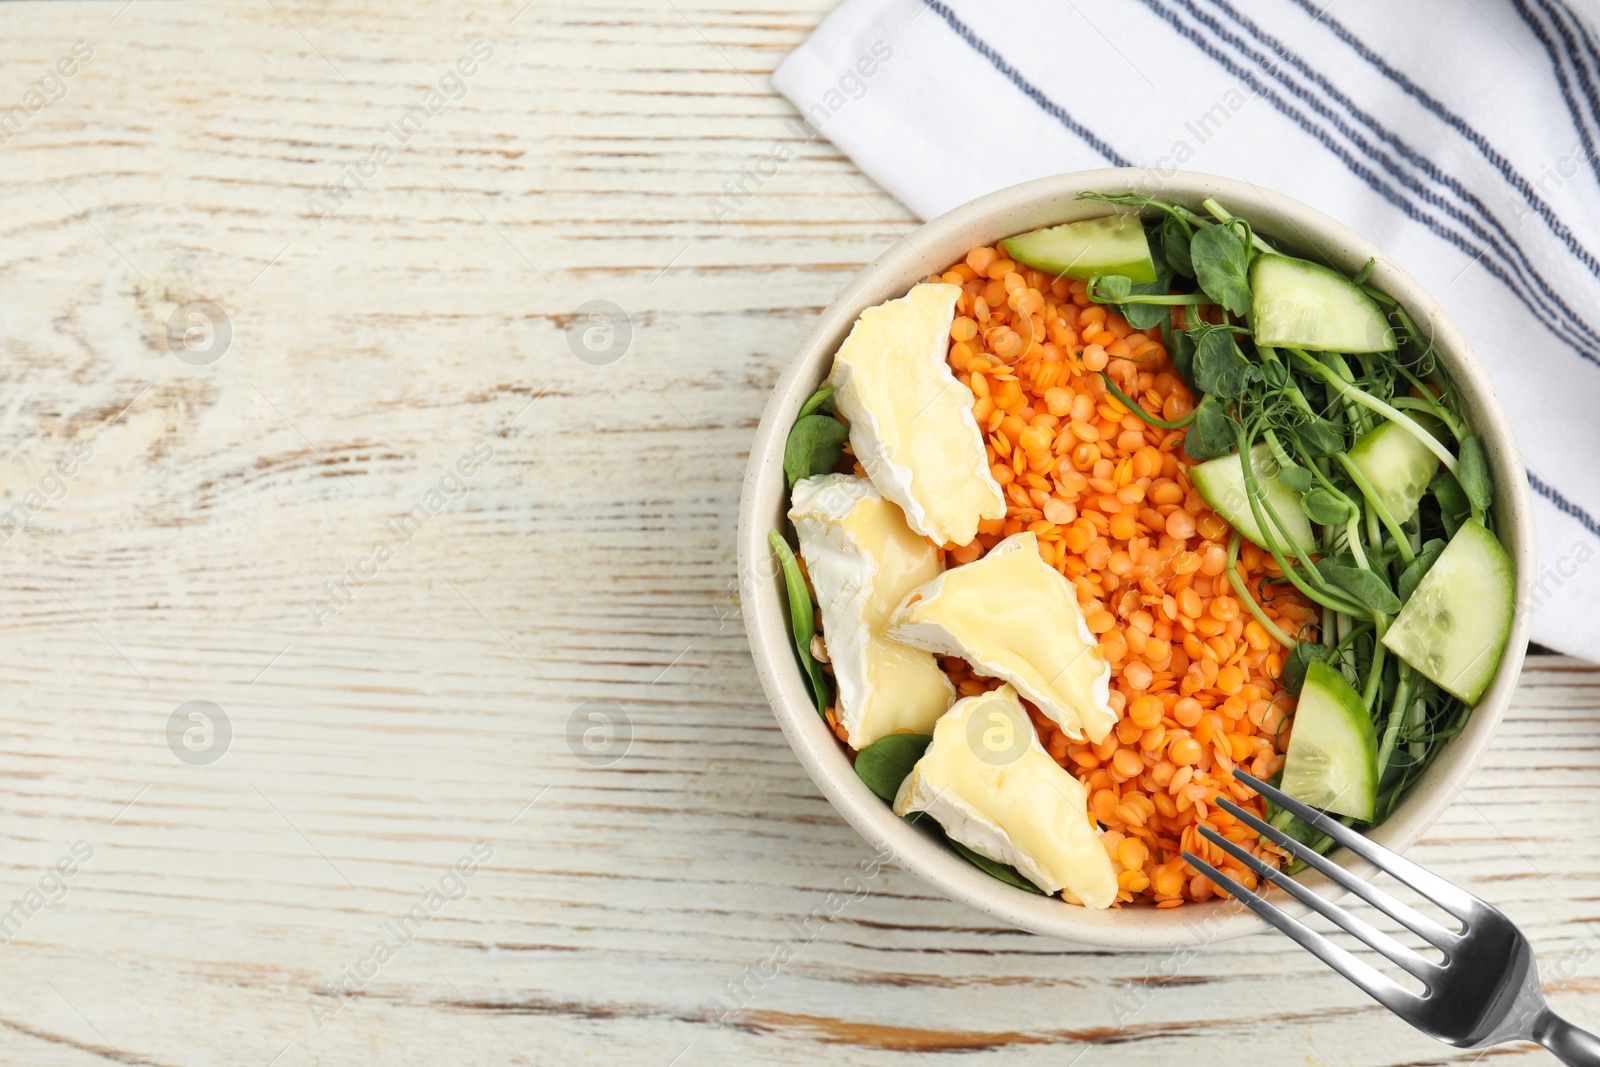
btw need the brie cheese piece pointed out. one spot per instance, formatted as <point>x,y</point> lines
<point>1014,617</point>
<point>863,560</point>
<point>993,787</point>
<point>911,422</point>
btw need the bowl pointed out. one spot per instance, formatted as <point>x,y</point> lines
<point>928,250</point>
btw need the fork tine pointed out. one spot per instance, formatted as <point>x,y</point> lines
<point>1374,938</point>
<point>1452,899</point>
<point>1378,986</point>
<point>1397,910</point>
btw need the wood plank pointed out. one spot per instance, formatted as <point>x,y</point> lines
<point>590,558</point>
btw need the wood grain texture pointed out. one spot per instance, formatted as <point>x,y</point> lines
<point>588,558</point>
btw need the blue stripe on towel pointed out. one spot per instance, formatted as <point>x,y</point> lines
<point>1550,493</point>
<point>1565,85</point>
<point>1048,106</point>
<point>1560,16</point>
<point>1520,266</point>
<point>1366,174</point>
<point>1417,159</point>
<point>1454,121</point>
<point>1590,53</point>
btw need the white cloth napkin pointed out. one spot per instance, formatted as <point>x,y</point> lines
<point>1464,138</point>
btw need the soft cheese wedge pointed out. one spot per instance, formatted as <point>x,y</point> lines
<point>863,560</point>
<point>911,422</point>
<point>1014,617</point>
<point>991,785</point>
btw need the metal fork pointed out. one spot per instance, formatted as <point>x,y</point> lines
<point>1484,993</point>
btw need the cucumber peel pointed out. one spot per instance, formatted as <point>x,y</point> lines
<point>1332,762</point>
<point>1299,304</point>
<point>1115,244</point>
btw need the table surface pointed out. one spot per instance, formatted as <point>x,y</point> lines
<point>422,841</point>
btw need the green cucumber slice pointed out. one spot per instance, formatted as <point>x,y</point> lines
<point>1299,304</point>
<point>1455,625</point>
<point>1332,762</point>
<point>1221,482</point>
<point>1398,466</point>
<point>1114,244</point>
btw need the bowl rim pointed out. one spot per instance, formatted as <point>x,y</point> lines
<point>924,251</point>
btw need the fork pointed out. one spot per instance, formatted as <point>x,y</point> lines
<point>1484,993</point>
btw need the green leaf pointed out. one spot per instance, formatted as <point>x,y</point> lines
<point>1211,433</point>
<point>884,764</point>
<point>1110,288</point>
<point>1220,367</point>
<point>1173,235</point>
<point>1412,576</point>
<point>1298,829</point>
<point>1298,661</point>
<point>1454,507</point>
<point>1472,471</point>
<point>800,619</point>
<point>818,399</point>
<point>1006,874</point>
<point>1321,437</point>
<point>1222,267</point>
<point>1363,586</point>
<point>815,444</point>
<point>1148,316</point>
<point>1324,507</point>
<point>1296,478</point>
<point>1183,356</point>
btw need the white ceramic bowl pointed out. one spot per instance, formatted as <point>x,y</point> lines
<point>931,248</point>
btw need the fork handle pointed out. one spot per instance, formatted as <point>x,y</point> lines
<point>1572,1046</point>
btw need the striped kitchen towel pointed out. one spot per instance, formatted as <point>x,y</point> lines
<point>1463,137</point>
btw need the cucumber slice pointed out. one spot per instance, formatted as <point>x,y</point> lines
<point>1332,762</point>
<point>1298,304</point>
<point>1114,244</point>
<point>1398,466</point>
<point>1221,482</point>
<point>1455,625</point>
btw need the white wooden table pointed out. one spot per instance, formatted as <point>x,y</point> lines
<point>201,525</point>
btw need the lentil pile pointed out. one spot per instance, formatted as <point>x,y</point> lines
<point>1109,498</point>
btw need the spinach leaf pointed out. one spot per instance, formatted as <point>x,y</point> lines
<point>1412,576</point>
<point>818,399</point>
<point>1298,661</point>
<point>1295,478</point>
<point>1211,433</point>
<point>1110,288</point>
<point>1454,507</point>
<point>1148,316</point>
<point>1275,375</point>
<point>1324,507</point>
<point>1174,235</point>
<point>1220,367</point>
<point>1222,266</point>
<point>1298,829</point>
<point>1183,356</point>
<point>1321,437</point>
<point>1362,585</point>
<point>800,619</point>
<point>1472,471</point>
<point>814,446</point>
<point>1006,874</point>
<point>884,764</point>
